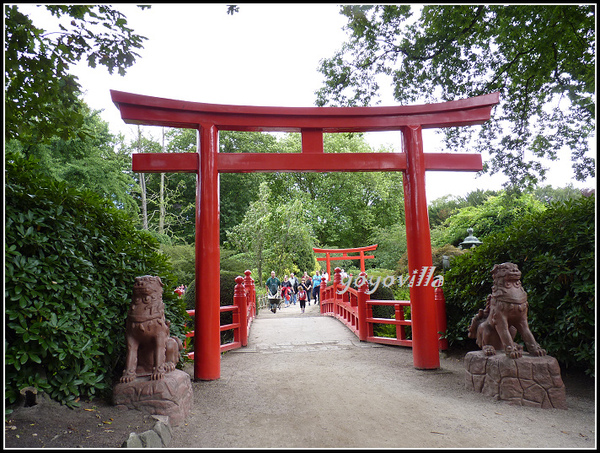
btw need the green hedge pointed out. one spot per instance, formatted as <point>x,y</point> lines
<point>555,251</point>
<point>70,262</point>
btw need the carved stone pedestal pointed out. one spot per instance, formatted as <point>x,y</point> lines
<point>526,381</point>
<point>171,396</point>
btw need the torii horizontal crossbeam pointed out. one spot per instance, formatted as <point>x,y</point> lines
<point>297,162</point>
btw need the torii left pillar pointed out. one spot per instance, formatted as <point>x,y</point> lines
<point>207,336</point>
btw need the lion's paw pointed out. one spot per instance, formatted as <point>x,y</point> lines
<point>128,376</point>
<point>514,352</point>
<point>536,350</point>
<point>488,350</point>
<point>158,373</point>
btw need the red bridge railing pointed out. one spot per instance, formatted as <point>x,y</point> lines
<point>354,308</point>
<point>243,312</point>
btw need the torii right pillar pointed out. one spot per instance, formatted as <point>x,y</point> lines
<point>418,238</point>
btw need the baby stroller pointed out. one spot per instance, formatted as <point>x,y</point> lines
<point>274,300</point>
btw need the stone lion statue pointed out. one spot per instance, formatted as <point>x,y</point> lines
<point>150,348</point>
<point>505,314</point>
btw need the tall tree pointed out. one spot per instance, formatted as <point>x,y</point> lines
<point>343,209</point>
<point>541,58</point>
<point>98,161</point>
<point>238,190</point>
<point>252,234</point>
<point>41,97</point>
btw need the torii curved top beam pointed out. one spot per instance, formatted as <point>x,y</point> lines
<point>148,110</point>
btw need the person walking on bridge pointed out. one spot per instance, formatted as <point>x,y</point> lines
<point>306,283</point>
<point>285,291</point>
<point>316,281</point>
<point>302,297</point>
<point>294,284</point>
<point>273,291</point>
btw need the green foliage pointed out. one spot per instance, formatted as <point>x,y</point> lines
<point>70,261</point>
<point>41,97</point>
<point>95,162</point>
<point>555,253</point>
<point>343,209</point>
<point>182,257</point>
<point>540,58</point>
<point>391,243</point>
<point>441,209</point>
<point>275,235</point>
<point>238,190</point>
<point>493,215</point>
<point>437,259</point>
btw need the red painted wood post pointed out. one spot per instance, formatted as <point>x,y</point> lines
<point>362,306</point>
<point>241,301</point>
<point>337,282</point>
<point>440,301</point>
<point>322,287</point>
<point>207,340</point>
<point>399,314</point>
<point>250,291</point>
<point>423,309</point>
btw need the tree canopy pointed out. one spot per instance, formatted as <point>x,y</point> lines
<point>41,96</point>
<point>541,58</point>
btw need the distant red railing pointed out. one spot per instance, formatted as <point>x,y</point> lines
<point>354,309</point>
<point>243,313</point>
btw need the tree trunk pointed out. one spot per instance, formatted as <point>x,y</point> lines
<point>161,202</point>
<point>143,186</point>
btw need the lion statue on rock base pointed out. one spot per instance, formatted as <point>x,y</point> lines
<point>150,348</point>
<point>505,314</point>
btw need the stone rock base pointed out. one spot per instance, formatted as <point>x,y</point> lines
<point>171,396</point>
<point>527,381</point>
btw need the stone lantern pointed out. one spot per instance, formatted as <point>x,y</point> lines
<point>470,241</point>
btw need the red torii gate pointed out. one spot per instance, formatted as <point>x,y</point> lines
<point>311,122</point>
<point>360,250</point>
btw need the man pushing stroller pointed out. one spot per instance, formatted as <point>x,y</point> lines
<point>273,291</point>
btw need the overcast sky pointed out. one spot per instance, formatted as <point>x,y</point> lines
<point>266,54</point>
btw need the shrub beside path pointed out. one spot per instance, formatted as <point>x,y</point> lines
<point>305,381</point>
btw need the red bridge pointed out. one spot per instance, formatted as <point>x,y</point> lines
<point>353,307</point>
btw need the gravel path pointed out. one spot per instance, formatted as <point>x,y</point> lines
<point>305,381</point>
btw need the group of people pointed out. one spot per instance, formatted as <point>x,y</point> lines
<point>292,290</point>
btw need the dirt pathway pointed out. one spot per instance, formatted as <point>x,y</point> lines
<point>305,381</point>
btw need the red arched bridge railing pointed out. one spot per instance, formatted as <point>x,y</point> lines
<point>243,312</point>
<point>354,308</point>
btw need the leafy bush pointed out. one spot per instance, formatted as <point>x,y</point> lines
<point>492,216</point>
<point>555,253</point>
<point>70,262</point>
<point>182,258</point>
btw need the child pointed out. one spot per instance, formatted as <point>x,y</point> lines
<point>285,294</point>
<point>302,297</point>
